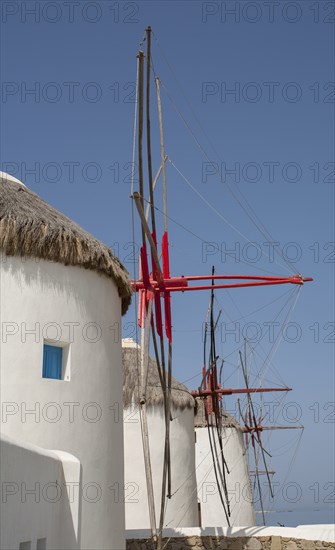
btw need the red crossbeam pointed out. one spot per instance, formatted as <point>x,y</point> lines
<point>159,284</point>
<point>180,284</point>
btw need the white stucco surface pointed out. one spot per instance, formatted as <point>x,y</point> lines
<point>238,483</point>
<point>181,509</point>
<point>81,311</point>
<point>38,500</point>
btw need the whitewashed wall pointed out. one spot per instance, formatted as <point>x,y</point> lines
<point>238,483</point>
<point>182,508</point>
<point>39,497</point>
<point>81,414</point>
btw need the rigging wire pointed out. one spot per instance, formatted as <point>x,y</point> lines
<point>209,205</point>
<point>267,356</point>
<point>260,345</point>
<point>238,318</point>
<point>290,269</point>
<point>280,335</point>
<point>256,221</point>
<point>289,469</point>
<point>262,307</point>
<point>285,447</point>
<point>266,234</point>
<point>272,351</point>
<point>204,241</point>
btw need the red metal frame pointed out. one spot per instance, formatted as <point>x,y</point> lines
<point>173,284</point>
<point>157,285</point>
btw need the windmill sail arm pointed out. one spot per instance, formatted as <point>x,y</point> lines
<point>231,391</point>
<point>175,284</point>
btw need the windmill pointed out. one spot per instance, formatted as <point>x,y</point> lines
<point>253,428</point>
<point>155,285</point>
<point>211,392</point>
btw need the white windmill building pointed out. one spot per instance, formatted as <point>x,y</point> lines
<point>237,478</point>
<point>62,292</point>
<point>182,508</point>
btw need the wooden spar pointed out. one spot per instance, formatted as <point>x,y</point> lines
<point>161,135</point>
<point>146,230</point>
<point>154,187</point>
<point>216,402</point>
<point>151,204</point>
<point>245,357</point>
<point>231,391</point>
<point>159,368</point>
<point>166,482</point>
<point>259,484</point>
<point>168,406</point>
<point>211,404</point>
<point>154,253</point>
<point>161,517</point>
<point>140,129</point>
<point>215,466</point>
<point>145,331</point>
<point>145,336</point>
<point>151,187</point>
<point>262,472</point>
<point>249,429</point>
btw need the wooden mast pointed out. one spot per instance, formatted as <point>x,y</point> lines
<point>145,330</point>
<point>166,481</point>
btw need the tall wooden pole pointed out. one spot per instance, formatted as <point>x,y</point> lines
<point>160,120</point>
<point>151,187</point>
<point>145,337</point>
<point>140,130</point>
<point>166,480</point>
<point>145,334</point>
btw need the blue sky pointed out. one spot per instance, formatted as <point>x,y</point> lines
<point>68,76</point>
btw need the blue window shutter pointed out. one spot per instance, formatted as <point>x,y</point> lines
<point>52,362</point>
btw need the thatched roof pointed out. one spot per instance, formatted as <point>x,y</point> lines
<point>180,395</point>
<point>31,227</point>
<point>228,421</point>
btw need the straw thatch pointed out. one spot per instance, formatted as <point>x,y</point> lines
<point>227,420</point>
<point>180,395</point>
<point>31,227</point>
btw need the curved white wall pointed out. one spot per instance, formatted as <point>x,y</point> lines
<point>37,501</point>
<point>81,415</point>
<point>238,483</point>
<point>182,507</point>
